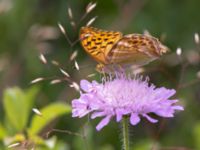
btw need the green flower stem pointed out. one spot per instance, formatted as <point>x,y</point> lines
<point>125,132</point>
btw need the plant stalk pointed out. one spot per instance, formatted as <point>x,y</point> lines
<point>125,132</point>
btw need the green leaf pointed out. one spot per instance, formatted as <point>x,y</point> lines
<point>196,132</point>
<point>17,105</point>
<point>30,97</point>
<point>2,132</point>
<point>49,113</point>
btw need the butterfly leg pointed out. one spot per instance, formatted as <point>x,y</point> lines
<point>102,70</point>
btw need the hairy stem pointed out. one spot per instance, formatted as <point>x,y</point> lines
<point>125,132</point>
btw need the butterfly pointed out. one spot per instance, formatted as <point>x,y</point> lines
<point>112,48</point>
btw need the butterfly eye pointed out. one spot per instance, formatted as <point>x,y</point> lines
<point>86,35</point>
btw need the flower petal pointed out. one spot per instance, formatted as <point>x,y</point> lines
<point>165,112</point>
<point>119,114</point>
<point>177,107</point>
<point>86,85</point>
<point>152,120</point>
<point>97,114</point>
<point>80,112</point>
<point>103,123</point>
<point>134,119</point>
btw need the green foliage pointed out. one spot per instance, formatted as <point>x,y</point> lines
<point>17,104</point>
<point>2,132</point>
<point>49,113</point>
<point>196,132</point>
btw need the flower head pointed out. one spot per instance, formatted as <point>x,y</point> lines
<point>124,96</point>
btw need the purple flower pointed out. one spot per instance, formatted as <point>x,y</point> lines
<point>122,96</point>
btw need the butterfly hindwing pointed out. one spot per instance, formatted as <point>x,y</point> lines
<point>134,49</point>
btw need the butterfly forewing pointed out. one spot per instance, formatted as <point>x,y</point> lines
<point>98,43</point>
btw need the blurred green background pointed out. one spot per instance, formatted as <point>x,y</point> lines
<point>30,28</point>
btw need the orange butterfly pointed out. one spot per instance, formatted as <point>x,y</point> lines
<point>112,49</point>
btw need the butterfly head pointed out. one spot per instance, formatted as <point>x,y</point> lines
<point>101,68</point>
<point>111,68</point>
<point>85,32</point>
<point>163,49</point>
<point>159,48</point>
